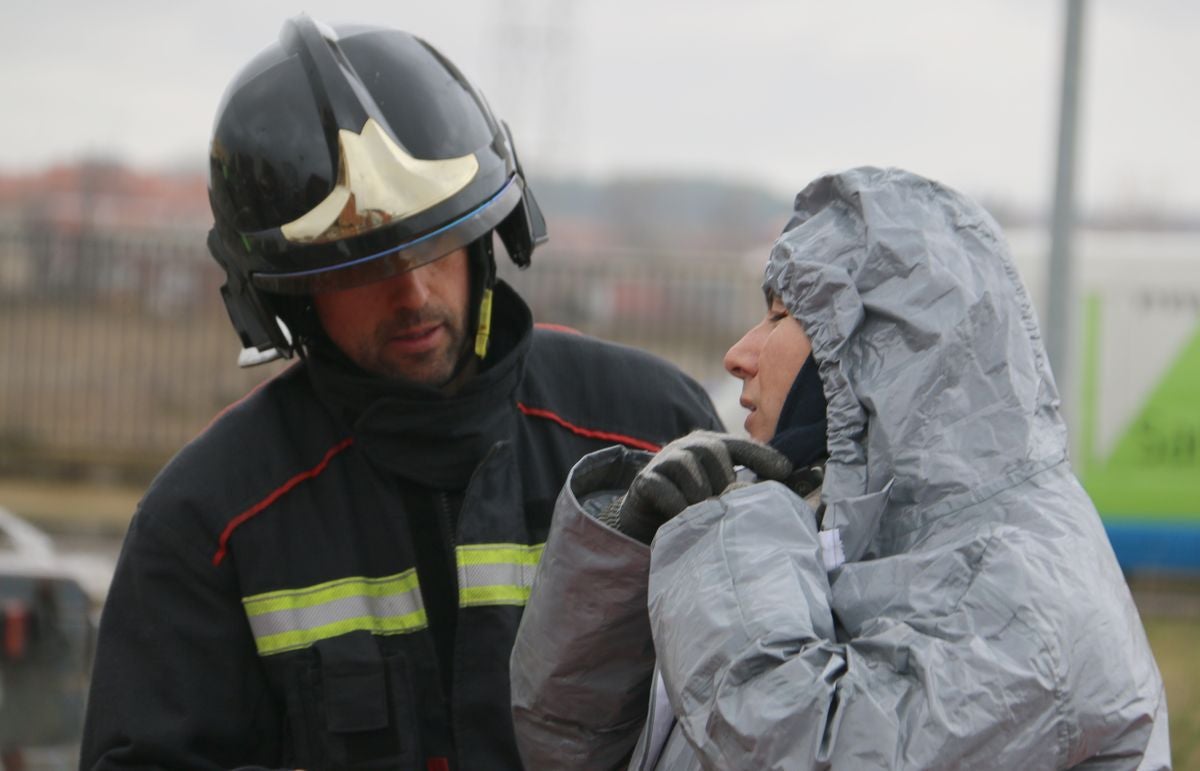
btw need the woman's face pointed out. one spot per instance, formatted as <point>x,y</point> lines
<point>767,360</point>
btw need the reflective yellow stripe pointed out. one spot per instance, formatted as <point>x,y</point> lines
<point>493,595</point>
<point>494,553</point>
<point>291,599</point>
<point>496,574</point>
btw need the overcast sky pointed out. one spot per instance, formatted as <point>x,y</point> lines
<point>770,91</point>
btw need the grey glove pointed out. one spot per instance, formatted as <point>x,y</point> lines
<point>687,471</point>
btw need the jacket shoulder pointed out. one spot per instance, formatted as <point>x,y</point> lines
<point>252,447</point>
<point>613,387</point>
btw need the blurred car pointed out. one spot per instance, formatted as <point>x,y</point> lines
<point>46,642</point>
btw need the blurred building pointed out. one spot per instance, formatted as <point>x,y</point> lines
<point>115,349</point>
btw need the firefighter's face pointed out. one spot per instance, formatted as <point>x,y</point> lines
<point>410,327</point>
<point>767,360</point>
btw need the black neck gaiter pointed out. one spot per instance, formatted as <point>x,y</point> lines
<point>801,432</point>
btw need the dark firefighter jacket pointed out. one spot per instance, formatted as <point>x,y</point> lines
<point>267,609</point>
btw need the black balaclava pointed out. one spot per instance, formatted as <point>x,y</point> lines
<point>800,433</point>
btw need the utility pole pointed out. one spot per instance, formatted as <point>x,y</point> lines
<point>535,52</point>
<point>1063,300</point>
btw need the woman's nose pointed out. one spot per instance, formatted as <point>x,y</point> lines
<point>741,360</point>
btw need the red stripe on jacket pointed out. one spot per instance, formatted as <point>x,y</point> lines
<point>236,522</point>
<point>558,328</point>
<point>240,519</point>
<point>628,441</point>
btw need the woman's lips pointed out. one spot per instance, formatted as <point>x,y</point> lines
<point>752,409</point>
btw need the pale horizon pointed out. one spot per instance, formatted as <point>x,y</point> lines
<point>767,92</point>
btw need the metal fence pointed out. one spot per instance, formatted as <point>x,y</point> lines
<point>115,349</point>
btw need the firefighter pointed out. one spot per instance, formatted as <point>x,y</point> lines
<point>331,575</point>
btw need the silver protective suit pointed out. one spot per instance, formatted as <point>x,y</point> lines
<point>955,605</point>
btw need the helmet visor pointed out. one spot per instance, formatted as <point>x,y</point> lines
<point>402,257</point>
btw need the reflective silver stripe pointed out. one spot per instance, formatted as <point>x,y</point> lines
<point>338,610</point>
<point>296,618</point>
<point>496,574</point>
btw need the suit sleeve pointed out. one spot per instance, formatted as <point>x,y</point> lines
<point>583,659</point>
<point>176,683</point>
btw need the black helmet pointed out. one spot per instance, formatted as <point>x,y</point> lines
<point>343,157</point>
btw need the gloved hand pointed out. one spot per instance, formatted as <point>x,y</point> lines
<point>687,471</point>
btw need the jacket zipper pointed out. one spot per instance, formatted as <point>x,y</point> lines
<point>443,500</point>
<point>448,528</point>
<point>452,537</point>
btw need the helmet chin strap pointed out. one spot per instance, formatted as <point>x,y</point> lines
<point>482,263</point>
<point>483,332</point>
<point>483,260</point>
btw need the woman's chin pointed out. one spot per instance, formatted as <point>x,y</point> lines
<point>755,429</point>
